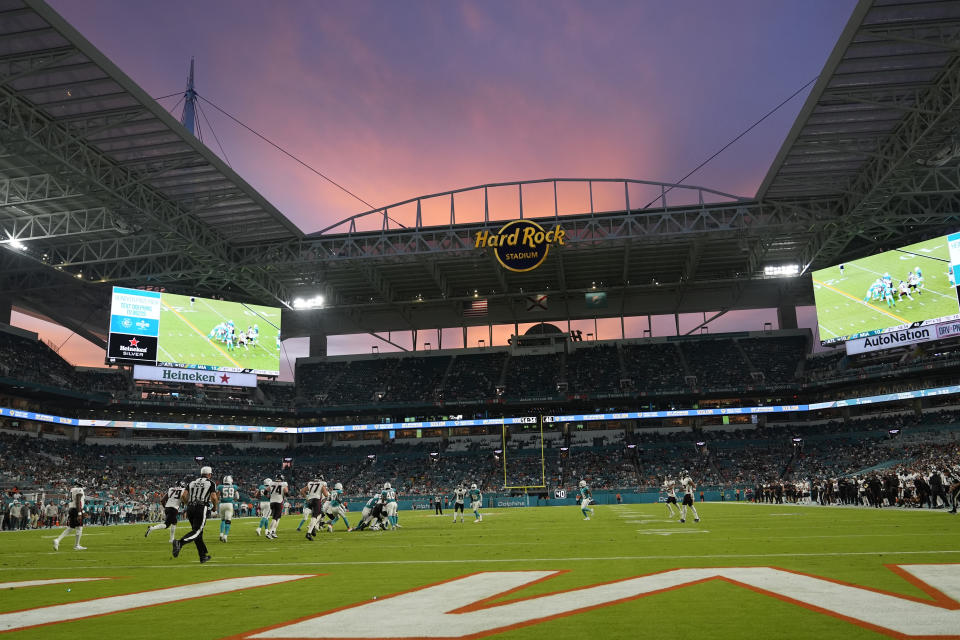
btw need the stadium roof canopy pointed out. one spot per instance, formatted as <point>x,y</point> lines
<point>99,185</point>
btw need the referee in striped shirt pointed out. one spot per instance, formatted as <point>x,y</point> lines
<point>197,494</point>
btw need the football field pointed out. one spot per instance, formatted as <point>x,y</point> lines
<point>185,329</point>
<point>757,571</point>
<point>842,310</point>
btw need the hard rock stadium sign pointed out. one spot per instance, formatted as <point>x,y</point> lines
<point>521,245</point>
<point>469,606</point>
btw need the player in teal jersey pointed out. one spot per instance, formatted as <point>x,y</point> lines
<point>263,491</point>
<point>585,498</point>
<point>370,511</point>
<point>476,501</point>
<point>228,497</point>
<point>389,497</point>
<point>337,507</point>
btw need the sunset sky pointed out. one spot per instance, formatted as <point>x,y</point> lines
<point>394,100</point>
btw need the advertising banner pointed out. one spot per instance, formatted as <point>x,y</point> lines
<point>195,376</point>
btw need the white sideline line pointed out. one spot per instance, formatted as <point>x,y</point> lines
<point>722,556</point>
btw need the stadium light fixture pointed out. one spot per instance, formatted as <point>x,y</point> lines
<point>16,244</point>
<point>302,304</point>
<point>782,270</point>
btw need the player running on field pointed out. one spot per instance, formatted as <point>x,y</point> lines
<point>228,497</point>
<point>74,518</point>
<point>670,487</point>
<point>585,498</point>
<point>459,494</point>
<point>316,492</point>
<point>476,501</point>
<point>171,510</point>
<point>688,490</point>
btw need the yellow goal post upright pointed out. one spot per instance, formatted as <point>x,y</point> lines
<point>543,465</point>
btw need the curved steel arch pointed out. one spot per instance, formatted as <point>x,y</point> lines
<point>665,188</point>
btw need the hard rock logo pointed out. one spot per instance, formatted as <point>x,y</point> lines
<point>521,245</point>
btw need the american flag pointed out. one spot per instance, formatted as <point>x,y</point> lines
<point>475,308</point>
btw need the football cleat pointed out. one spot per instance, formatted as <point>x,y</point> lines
<point>56,545</point>
<point>79,548</point>
<point>176,548</point>
<point>696,519</point>
<point>147,533</point>
<point>204,559</point>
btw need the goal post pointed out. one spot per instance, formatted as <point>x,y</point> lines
<point>524,467</point>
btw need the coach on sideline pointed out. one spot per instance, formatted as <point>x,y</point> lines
<point>197,494</point>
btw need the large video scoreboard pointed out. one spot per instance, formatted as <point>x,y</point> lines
<point>165,329</point>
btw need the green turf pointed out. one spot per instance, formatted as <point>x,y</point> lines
<point>184,331</point>
<point>850,545</point>
<point>841,310</point>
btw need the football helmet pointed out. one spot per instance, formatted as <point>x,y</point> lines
<point>182,484</point>
<point>473,486</point>
<point>338,487</point>
<point>227,479</point>
<point>267,482</point>
<point>583,483</point>
<point>280,478</point>
<point>386,485</point>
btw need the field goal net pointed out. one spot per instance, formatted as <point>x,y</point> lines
<point>524,463</point>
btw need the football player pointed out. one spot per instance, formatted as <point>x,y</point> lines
<point>476,501</point>
<point>670,488</point>
<point>688,489</point>
<point>336,508</point>
<point>278,494</point>
<point>171,510</point>
<point>228,496</point>
<point>585,499</point>
<point>263,491</point>
<point>315,493</point>
<point>74,518</point>
<point>389,497</point>
<point>458,495</point>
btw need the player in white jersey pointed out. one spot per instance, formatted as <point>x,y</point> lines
<point>228,497</point>
<point>171,510</point>
<point>670,488</point>
<point>459,494</point>
<point>264,492</point>
<point>75,518</point>
<point>688,489</point>
<point>278,494</point>
<point>315,493</point>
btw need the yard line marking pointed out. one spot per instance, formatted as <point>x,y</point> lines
<point>39,583</point>
<point>839,554</point>
<point>15,620</point>
<point>866,304</point>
